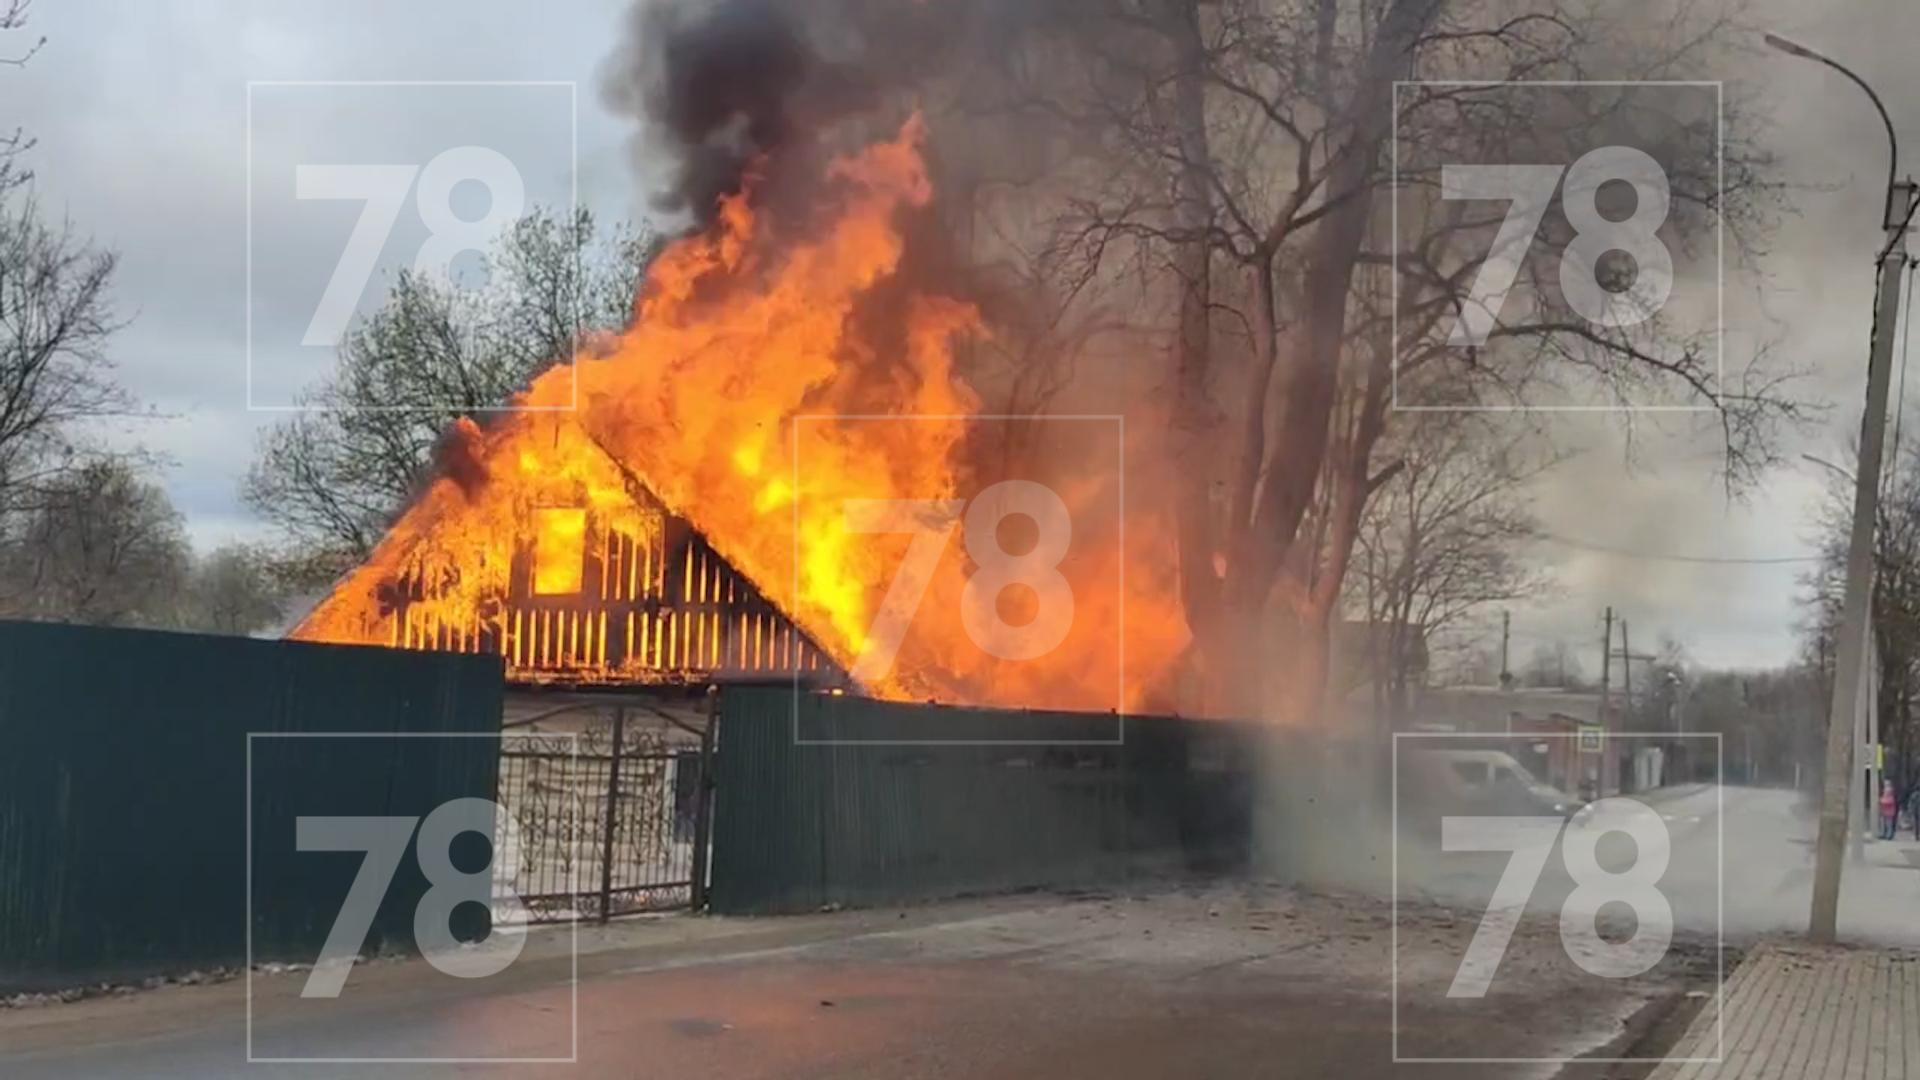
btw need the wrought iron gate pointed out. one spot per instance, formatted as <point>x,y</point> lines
<point>606,811</point>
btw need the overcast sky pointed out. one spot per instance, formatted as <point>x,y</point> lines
<point>141,114</point>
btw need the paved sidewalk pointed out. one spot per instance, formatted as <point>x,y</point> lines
<point>1900,854</point>
<point>1794,1011</point>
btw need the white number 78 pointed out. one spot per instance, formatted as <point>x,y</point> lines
<point>383,190</point>
<point>931,522</point>
<point>384,839</point>
<point>1528,190</point>
<point>1530,839</point>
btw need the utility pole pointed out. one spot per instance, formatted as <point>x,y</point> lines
<point>1506,633</point>
<point>1606,665</point>
<point>1837,776</point>
<point>1626,707</point>
<point>1627,657</point>
<point>1626,674</point>
<point>1592,785</point>
<point>1627,671</point>
<point>1850,669</point>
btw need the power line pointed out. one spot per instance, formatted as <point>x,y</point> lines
<point>1661,556</point>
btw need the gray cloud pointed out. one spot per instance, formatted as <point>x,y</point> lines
<point>140,113</point>
<point>1811,294</point>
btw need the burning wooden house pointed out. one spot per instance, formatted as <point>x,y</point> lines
<point>679,501</point>
<point>590,579</point>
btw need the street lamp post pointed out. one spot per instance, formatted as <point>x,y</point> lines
<point>1830,852</point>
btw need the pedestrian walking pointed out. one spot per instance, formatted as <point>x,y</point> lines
<point>1889,810</point>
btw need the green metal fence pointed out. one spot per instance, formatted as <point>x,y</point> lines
<point>825,799</point>
<point>125,804</point>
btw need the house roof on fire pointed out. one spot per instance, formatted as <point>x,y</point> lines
<point>682,549</point>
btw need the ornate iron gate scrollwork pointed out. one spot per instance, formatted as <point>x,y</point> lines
<point>604,806</point>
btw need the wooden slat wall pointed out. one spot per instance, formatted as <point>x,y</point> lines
<point>652,608</point>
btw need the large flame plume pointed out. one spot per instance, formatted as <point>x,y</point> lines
<point>739,331</point>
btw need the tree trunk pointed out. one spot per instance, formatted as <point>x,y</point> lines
<point>1193,412</point>
<point>1295,662</point>
<point>1292,690</point>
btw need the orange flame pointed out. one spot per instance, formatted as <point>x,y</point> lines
<point>731,399</point>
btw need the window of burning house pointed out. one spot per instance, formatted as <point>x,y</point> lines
<point>559,550</point>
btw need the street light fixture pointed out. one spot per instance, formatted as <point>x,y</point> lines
<point>1850,666</point>
<point>1893,217</point>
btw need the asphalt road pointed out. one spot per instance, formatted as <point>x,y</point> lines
<point>1243,980</point>
<point>1227,980</point>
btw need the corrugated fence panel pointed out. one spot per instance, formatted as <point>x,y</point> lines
<point>124,803</point>
<point>824,799</point>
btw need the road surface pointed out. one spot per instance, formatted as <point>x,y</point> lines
<point>1228,979</point>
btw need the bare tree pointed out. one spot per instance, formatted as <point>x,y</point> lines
<point>1236,150</point>
<point>1443,538</point>
<point>1552,663</point>
<point>232,589</point>
<point>1896,608</point>
<point>332,479</point>
<point>56,316</point>
<point>13,19</point>
<point>103,547</point>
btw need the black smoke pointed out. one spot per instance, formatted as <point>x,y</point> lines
<point>725,88</point>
